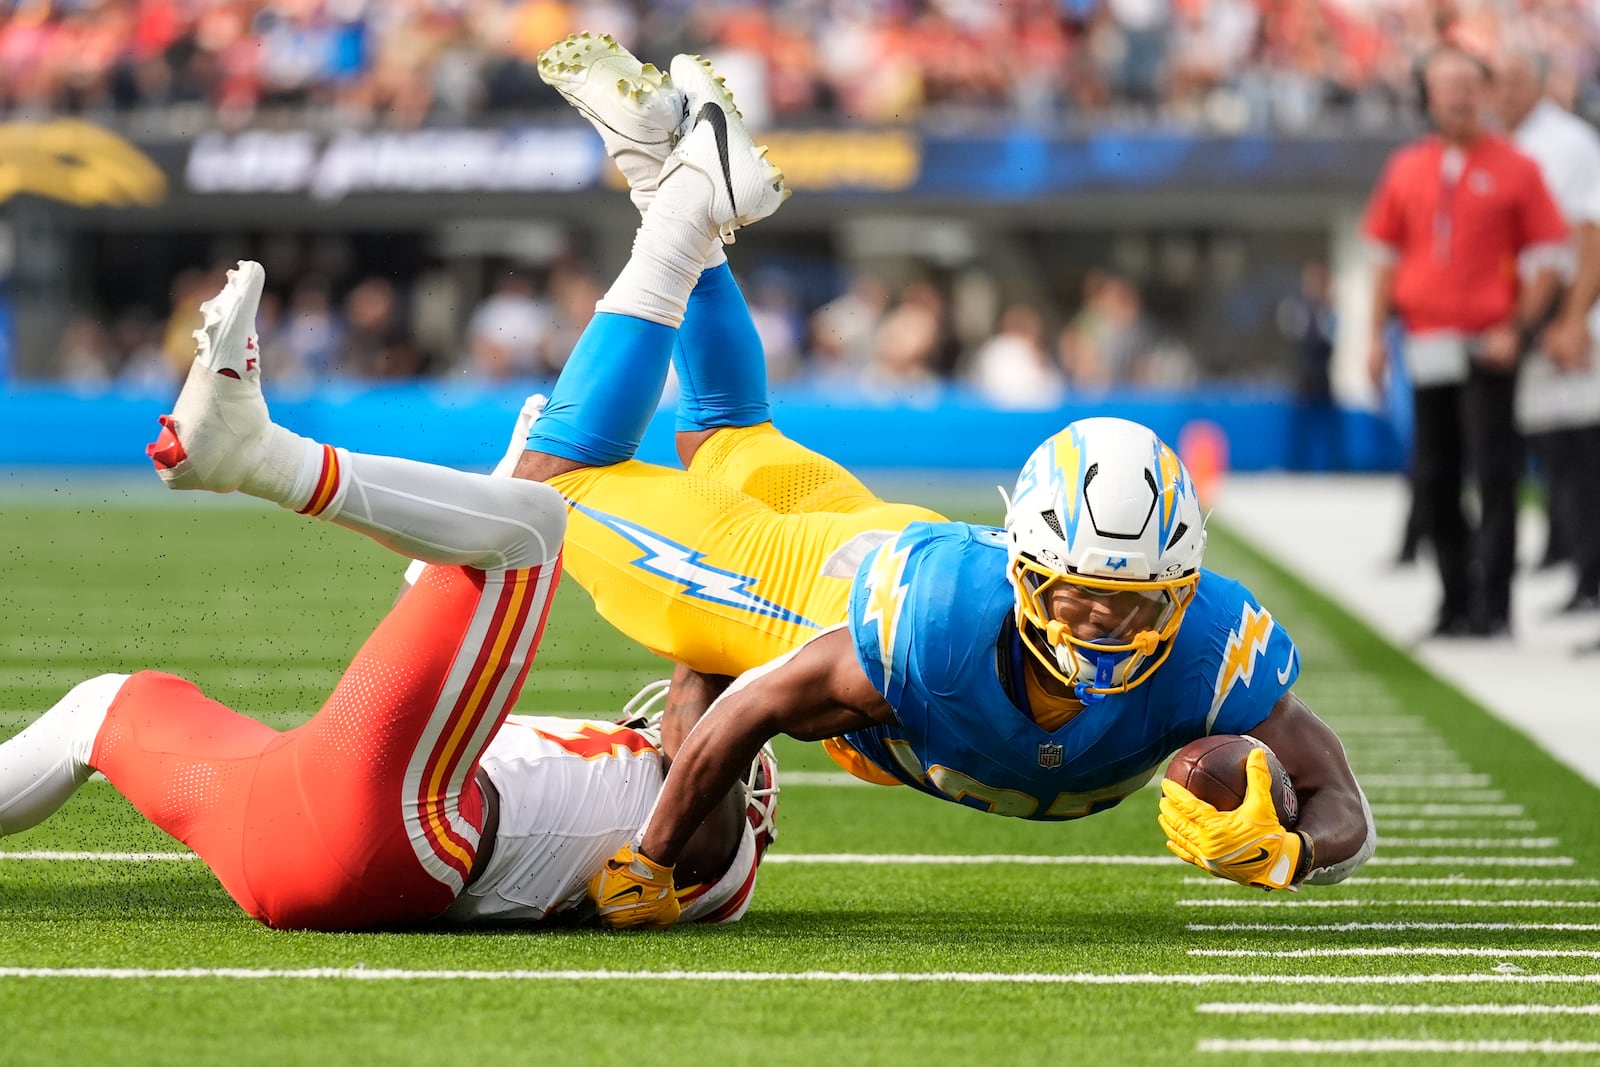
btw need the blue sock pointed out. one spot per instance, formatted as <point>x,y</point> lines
<point>722,368</point>
<point>607,391</point>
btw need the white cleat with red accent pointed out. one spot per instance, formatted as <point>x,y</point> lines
<point>217,437</point>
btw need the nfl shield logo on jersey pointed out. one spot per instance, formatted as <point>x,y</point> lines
<point>1050,756</point>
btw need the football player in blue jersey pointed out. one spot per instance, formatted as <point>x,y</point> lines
<point>1043,671</point>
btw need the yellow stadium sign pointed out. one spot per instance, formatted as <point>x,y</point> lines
<point>825,160</point>
<point>884,160</point>
<point>76,162</point>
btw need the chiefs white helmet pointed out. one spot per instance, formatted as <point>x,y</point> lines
<point>1105,537</point>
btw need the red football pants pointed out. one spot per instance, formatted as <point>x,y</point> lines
<point>369,814</point>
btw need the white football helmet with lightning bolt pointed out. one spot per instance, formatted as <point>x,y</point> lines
<point>1105,536</point>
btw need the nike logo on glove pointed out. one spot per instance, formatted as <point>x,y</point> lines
<point>636,890</point>
<point>719,128</point>
<point>1257,858</point>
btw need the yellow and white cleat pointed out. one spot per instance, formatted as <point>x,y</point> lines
<point>639,114</point>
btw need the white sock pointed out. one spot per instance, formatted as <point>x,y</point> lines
<point>669,251</point>
<point>45,764</point>
<point>447,516</point>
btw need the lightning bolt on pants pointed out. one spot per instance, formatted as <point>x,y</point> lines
<point>720,567</point>
<point>369,814</point>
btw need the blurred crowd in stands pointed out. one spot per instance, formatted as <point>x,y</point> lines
<point>873,337</point>
<point>1222,64</point>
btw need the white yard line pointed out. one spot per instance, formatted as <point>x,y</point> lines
<point>1469,842</point>
<point>825,778</point>
<point>1302,1008</point>
<point>1350,902</point>
<point>1425,781</point>
<point>1348,1046</point>
<point>1387,825</point>
<point>1318,928</point>
<point>1381,810</point>
<point>834,858</point>
<point>1397,950</point>
<point>98,857</point>
<point>374,974</point>
<point>1384,794</point>
<point>1470,861</point>
<point>1447,880</point>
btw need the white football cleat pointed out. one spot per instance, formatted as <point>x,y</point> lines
<point>744,186</point>
<point>216,436</point>
<point>635,108</point>
<point>532,408</point>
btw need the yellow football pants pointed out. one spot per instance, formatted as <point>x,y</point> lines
<point>720,567</point>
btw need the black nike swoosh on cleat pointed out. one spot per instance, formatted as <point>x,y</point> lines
<point>719,127</point>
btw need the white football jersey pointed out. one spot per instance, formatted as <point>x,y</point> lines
<point>572,792</point>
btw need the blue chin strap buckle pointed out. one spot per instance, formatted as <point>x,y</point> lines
<point>1105,669</point>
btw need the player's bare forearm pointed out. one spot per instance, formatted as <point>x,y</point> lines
<point>1333,816</point>
<point>1585,289</point>
<point>689,698</point>
<point>809,695</point>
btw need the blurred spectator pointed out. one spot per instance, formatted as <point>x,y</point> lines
<point>907,342</point>
<point>777,322</point>
<point>189,288</point>
<point>507,335</point>
<point>1558,398</point>
<point>843,329</point>
<point>1012,369</point>
<point>1105,341</point>
<point>1306,320</point>
<point>1227,64</point>
<point>1442,269</point>
<point>574,291</point>
<point>87,356</point>
<point>310,335</point>
<point>376,343</point>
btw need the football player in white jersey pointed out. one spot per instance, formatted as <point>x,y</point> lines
<point>411,796</point>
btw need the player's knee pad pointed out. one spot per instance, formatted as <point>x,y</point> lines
<point>540,514</point>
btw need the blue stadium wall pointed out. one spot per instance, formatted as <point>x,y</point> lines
<point>949,430</point>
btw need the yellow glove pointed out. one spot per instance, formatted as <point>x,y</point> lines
<point>1246,845</point>
<point>633,890</point>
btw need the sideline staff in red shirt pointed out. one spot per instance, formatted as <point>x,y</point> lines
<point>1454,216</point>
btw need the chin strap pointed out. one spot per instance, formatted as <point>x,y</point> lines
<point>1105,669</point>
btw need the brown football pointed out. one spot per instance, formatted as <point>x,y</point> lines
<point>1212,768</point>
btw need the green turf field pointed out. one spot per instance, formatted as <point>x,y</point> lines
<point>1481,914</point>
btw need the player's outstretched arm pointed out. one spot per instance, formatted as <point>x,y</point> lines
<point>815,692</point>
<point>1335,822</point>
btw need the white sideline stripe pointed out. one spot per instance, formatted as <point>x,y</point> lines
<point>375,974</point>
<point>1470,842</point>
<point>101,857</point>
<point>1302,1008</point>
<point>1454,796</point>
<point>1317,928</point>
<point>1388,825</point>
<point>1471,861</point>
<point>1347,902</point>
<point>1425,781</point>
<point>1390,1044</point>
<point>942,859</point>
<point>1448,809</point>
<point>829,778</point>
<point>855,858</point>
<point>1398,950</point>
<point>1448,880</point>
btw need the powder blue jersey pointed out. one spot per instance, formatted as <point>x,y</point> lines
<point>931,615</point>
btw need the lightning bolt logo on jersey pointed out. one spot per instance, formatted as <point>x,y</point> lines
<point>687,568</point>
<point>931,617</point>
